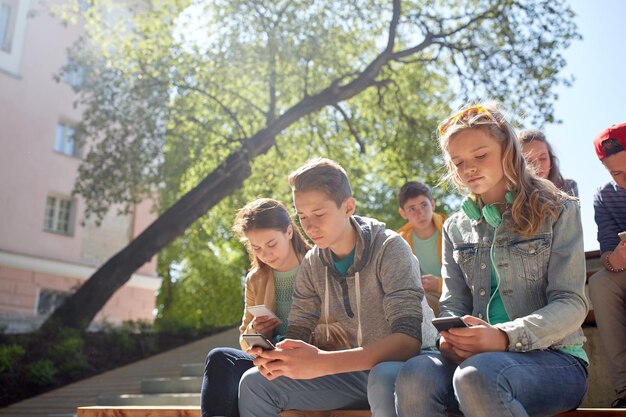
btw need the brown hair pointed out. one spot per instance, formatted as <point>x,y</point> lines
<point>266,213</point>
<point>412,189</point>
<point>528,136</point>
<point>322,174</point>
<point>535,198</point>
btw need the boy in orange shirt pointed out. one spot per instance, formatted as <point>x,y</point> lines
<point>423,234</point>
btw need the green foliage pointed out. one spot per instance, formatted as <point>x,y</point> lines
<point>145,345</point>
<point>10,356</point>
<point>138,326</point>
<point>120,341</point>
<point>68,352</point>
<point>41,372</point>
<point>206,291</point>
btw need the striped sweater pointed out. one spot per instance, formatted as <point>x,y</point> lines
<point>609,205</point>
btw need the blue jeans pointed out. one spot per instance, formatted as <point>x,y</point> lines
<point>223,369</point>
<point>535,383</point>
<point>259,397</point>
<point>381,388</point>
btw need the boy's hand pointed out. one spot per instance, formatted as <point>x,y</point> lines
<point>291,358</point>
<point>448,350</point>
<point>618,257</point>
<point>264,325</point>
<point>430,283</point>
<point>478,337</point>
<point>260,360</point>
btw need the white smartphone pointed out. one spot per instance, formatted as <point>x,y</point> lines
<point>622,236</point>
<point>261,310</point>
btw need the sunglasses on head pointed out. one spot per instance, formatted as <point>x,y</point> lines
<point>465,113</point>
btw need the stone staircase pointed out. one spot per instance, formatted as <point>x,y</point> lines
<point>153,372</point>
<point>182,390</point>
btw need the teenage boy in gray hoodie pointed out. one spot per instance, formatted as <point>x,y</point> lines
<point>367,278</point>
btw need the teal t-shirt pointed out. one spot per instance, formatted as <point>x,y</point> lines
<point>284,282</point>
<point>496,312</point>
<point>427,254</point>
<point>576,350</point>
<point>343,265</point>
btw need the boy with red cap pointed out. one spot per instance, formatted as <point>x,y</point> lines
<point>607,287</point>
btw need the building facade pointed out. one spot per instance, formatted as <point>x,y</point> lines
<point>46,252</point>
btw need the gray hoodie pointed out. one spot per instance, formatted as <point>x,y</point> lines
<point>380,294</point>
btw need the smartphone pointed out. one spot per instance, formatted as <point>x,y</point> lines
<point>622,236</point>
<point>258,340</point>
<point>446,323</point>
<point>261,310</point>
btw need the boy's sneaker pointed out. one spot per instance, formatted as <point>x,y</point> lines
<point>619,403</point>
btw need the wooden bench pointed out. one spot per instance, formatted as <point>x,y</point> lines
<point>194,411</point>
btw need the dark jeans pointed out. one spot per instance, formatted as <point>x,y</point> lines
<point>223,369</point>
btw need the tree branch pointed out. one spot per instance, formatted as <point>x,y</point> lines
<point>228,111</point>
<point>353,131</point>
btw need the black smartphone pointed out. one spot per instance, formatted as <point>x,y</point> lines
<point>258,340</point>
<point>446,323</point>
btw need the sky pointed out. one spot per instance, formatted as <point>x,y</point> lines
<point>596,100</point>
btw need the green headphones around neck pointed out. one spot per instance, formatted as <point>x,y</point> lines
<point>494,218</point>
<point>490,212</point>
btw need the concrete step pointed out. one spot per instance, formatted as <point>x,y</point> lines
<point>149,399</point>
<point>186,384</point>
<point>192,369</point>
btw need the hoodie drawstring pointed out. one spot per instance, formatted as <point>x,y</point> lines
<point>359,333</point>
<point>326,303</point>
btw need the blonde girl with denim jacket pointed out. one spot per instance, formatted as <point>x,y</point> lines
<point>514,270</point>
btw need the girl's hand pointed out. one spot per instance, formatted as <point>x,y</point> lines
<point>479,337</point>
<point>430,282</point>
<point>264,325</point>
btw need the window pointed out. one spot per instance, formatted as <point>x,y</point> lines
<point>7,24</point>
<point>13,16</point>
<point>64,141</point>
<point>58,216</point>
<point>50,300</point>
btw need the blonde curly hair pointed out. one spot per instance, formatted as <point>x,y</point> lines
<point>535,198</point>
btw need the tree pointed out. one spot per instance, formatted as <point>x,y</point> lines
<point>270,71</point>
<point>376,167</point>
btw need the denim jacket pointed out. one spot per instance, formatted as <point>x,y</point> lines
<point>542,277</point>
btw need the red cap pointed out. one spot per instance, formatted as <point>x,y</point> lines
<point>617,132</point>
